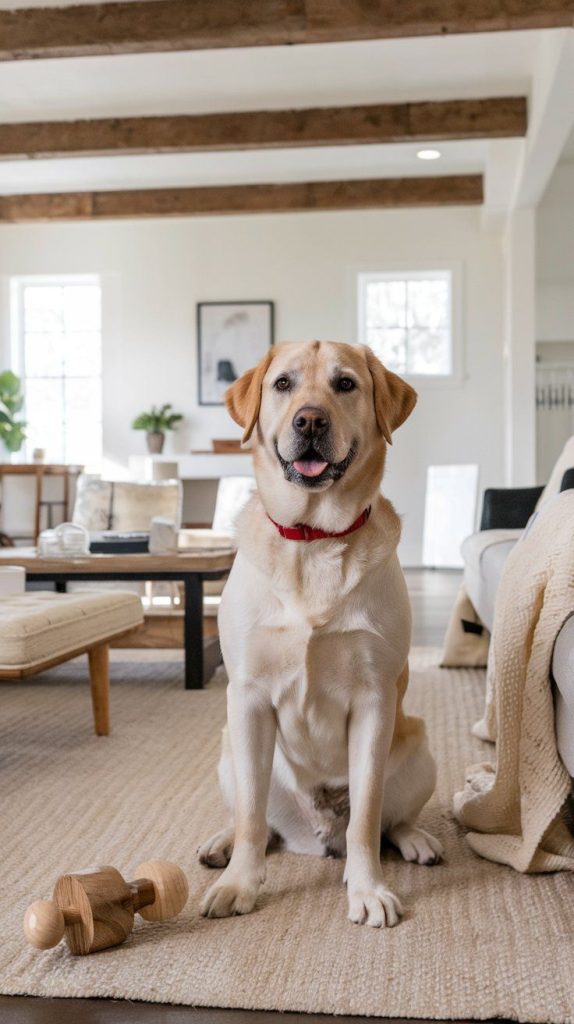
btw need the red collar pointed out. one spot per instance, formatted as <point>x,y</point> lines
<point>302,532</point>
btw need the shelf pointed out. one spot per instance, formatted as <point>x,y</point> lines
<point>199,466</point>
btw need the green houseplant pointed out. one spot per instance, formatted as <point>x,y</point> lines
<point>155,423</point>
<point>11,401</point>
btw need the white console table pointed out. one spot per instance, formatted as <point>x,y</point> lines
<point>202,466</point>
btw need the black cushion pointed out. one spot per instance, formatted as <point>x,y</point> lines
<point>508,508</point>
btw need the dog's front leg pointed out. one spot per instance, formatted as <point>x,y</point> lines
<point>252,728</point>
<point>370,736</point>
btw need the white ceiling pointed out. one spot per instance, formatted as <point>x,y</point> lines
<point>263,166</point>
<point>380,71</point>
<point>263,78</point>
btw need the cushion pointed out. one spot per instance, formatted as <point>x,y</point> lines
<point>134,505</point>
<point>92,503</point>
<point>38,626</point>
<point>484,555</point>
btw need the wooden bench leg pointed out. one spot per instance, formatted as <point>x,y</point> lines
<point>100,686</point>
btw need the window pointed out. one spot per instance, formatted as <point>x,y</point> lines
<point>58,352</point>
<point>406,318</point>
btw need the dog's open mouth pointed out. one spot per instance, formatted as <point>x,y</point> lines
<point>311,469</point>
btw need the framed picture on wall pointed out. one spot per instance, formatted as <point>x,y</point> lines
<point>231,338</point>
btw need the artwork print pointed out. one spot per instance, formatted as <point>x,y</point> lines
<point>232,338</point>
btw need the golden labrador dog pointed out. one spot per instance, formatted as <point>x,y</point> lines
<point>315,630</point>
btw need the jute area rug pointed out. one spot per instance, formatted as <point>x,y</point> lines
<point>478,940</point>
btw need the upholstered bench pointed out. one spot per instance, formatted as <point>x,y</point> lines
<point>39,630</point>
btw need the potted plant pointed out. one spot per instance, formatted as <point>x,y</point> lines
<point>11,401</point>
<point>155,423</point>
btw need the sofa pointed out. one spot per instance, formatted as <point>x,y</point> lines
<point>505,515</point>
<point>124,506</point>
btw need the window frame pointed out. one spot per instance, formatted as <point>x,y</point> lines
<point>18,284</point>
<point>414,270</point>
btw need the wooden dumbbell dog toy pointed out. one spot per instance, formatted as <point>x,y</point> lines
<point>95,908</point>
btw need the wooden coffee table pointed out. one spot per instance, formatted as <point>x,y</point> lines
<point>191,568</point>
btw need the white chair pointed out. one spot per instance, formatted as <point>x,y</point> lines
<point>233,492</point>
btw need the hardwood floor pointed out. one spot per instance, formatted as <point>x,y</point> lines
<point>432,594</point>
<point>20,1010</point>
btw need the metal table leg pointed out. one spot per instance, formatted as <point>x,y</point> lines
<point>193,631</point>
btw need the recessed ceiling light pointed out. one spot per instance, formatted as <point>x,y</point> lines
<point>429,154</point>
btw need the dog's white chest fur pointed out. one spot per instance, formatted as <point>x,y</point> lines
<point>312,646</point>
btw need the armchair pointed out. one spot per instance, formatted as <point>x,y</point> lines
<point>505,513</point>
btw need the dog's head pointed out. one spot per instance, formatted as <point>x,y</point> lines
<point>320,412</point>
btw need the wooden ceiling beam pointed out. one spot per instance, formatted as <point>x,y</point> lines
<point>331,126</point>
<point>241,199</point>
<point>151,26</point>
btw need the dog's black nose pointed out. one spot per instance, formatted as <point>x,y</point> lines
<point>311,421</point>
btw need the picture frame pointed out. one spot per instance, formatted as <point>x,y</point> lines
<point>232,336</point>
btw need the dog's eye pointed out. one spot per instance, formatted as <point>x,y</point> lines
<point>282,384</point>
<point>345,384</point>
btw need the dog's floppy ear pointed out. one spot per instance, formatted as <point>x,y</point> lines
<point>243,398</point>
<point>394,398</point>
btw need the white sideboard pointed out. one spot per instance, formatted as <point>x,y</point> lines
<point>202,466</point>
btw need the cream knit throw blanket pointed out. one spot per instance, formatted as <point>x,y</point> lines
<point>515,811</point>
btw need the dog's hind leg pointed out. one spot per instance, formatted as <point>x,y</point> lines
<point>289,825</point>
<point>410,785</point>
<point>216,852</point>
<point>415,844</point>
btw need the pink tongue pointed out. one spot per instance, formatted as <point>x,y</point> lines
<point>310,468</point>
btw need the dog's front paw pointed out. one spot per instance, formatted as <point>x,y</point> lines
<point>374,905</point>
<point>228,896</point>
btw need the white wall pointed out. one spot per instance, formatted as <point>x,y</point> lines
<point>555,305</point>
<point>555,258</point>
<point>154,273</point>
<point>519,347</point>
